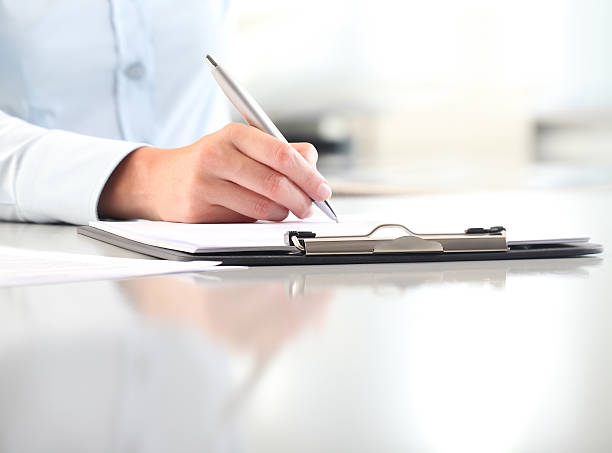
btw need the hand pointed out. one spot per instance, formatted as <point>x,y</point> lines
<point>237,174</point>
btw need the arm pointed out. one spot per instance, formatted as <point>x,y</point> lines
<point>53,176</point>
<point>236,174</point>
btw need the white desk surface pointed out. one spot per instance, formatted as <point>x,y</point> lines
<point>472,357</point>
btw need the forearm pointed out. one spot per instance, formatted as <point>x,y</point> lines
<point>53,176</point>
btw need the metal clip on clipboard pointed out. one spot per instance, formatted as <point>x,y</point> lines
<point>472,240</point>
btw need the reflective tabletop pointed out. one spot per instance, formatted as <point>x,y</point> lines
<point>493,356</point>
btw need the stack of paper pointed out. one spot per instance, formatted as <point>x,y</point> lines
<point>266,236</point>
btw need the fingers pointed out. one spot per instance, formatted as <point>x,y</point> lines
<point>263,180</point>
<point>308,152</point>
<point>281,157</point>
<point>244,202</point>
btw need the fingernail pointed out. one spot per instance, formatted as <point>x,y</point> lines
<point>324,191</point>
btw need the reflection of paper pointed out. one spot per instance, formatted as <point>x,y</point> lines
<point>193,238</point>
<point>27,267</point>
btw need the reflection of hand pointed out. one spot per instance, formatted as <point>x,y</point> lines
<point>255,317</point>
<point>237,174</point>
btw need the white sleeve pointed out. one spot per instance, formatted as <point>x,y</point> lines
<point>52,175</point>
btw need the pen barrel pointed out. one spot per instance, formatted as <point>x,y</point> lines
<point>245,104</point>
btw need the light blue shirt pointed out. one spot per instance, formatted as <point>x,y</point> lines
<point>83,83</point>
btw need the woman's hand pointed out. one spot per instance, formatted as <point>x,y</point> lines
<point>237,174</point>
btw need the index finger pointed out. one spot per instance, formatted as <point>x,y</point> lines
<point>280,156</point>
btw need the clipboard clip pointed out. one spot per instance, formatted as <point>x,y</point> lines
<point>471,240</point>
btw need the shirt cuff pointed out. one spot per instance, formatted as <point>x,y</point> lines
<point>63,173</point>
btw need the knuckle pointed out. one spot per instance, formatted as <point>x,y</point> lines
<point>213,159</point>
<point>239,166</point>
<point>282,214</point>
<point>312,153</point>
<point>283,154</point>
<point>234,130</point>
<point>274,183</point>
<point>227,129</point>
<point>312,179</point>
<point>262,208</point>
<point>210,159</point>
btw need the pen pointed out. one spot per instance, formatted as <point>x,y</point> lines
<point>254,115</point>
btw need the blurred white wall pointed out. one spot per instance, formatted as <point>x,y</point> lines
<point>454,86</point>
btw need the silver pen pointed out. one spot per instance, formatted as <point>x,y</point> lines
<point>254,115</point>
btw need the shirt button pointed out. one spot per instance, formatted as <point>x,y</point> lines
<point>135,71</point>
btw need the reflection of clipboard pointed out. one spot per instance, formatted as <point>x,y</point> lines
<point>304,248</point>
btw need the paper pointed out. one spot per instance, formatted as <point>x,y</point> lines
<point>197,238</point>
<point>27,267</point>
<point>268,236</point>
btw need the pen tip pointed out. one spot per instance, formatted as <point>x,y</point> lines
<point>211,61</point>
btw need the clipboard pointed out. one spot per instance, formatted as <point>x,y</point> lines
<point>307,248</point>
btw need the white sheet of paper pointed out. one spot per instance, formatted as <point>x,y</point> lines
<point>27,267</point>
<point>194,238</point>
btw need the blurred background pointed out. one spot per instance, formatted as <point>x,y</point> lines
<point>438,95</point>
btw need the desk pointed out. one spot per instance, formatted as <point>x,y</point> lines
<point>432,357</point>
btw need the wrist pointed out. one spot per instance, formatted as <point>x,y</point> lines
<point>128,193</point>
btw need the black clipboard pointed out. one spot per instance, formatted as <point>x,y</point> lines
<point>474,244</point>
